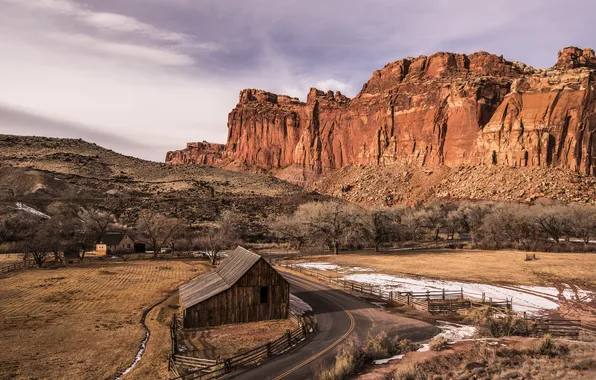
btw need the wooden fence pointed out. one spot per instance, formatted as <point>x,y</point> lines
<point>436,301</point>
<point>447,302</point>
<point>569,328</point>
<point>205,369</point>
<point>17,266</point>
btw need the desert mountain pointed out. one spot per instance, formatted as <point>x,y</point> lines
<point>47,173</point>
<point>477,114</point>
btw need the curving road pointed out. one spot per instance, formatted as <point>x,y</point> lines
<point>339,316</point>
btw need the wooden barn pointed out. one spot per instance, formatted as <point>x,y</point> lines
<point>243,288</point>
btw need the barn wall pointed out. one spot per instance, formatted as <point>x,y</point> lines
<point>241,303</point>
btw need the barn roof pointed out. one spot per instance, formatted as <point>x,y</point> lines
<point>223,278</point>
<point>112,238</point>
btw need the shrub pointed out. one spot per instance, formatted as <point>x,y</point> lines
<point>348,361</point>
<point>493,323</point>
<point>438,343</point>
<point>548,347</point>
<point>382,345</point>
<point>409,372</point>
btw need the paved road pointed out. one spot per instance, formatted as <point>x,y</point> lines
<point>339,316</point>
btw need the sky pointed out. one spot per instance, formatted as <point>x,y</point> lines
<point>146,76</point>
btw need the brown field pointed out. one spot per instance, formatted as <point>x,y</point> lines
<point>10,258</point>
<point>230,340</point>
<point>83,321</point>
<point>477,266</point>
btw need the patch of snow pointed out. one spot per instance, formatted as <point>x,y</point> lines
<point>454,331</point>
<point>425,347</point>
<point>30,210</point>
<point>360,269</point>
<point>529,303</point>
<point>568,293</point>
<point>320,266</point>
<point>385,361</point>
<point>298,306</point>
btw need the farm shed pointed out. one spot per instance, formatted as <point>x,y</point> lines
<point>243,288</point>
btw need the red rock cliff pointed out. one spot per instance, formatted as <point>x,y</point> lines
<point>197,153</point>
<point>445,109</point>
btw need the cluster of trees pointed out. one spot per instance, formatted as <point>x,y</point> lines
<point>336,225</point>
<point>329,225</point>
<point>70,234</point>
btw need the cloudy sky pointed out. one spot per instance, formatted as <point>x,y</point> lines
<point>146,76</point>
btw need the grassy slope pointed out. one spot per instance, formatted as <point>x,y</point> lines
<point>43,171</point>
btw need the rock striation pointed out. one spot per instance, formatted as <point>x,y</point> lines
<point>445,109</point>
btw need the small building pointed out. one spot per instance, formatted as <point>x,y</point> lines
<point>113,242</point>
<point>243,288</point>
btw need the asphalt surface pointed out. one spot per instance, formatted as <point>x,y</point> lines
<point>340,316</point>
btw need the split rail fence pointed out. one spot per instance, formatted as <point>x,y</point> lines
<point>435,302</point>
<point>205,369</point>
<point>447,302</point>
<point>16,266</point>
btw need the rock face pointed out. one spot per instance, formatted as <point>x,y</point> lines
<point>445,109</point>
<point>197,153</point>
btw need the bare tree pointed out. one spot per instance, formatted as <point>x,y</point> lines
<point>214,239</point>
<point>37,249</point>
<point>506,224</point>
<point>434,218</point>
<point>551,220</point>
<point>156,229</point>
<point>190,239</point>
<point>582,221</point>
<point>292,228</point>
<point>330,222</point>
<point>379,225</point>
<point>98,220</point>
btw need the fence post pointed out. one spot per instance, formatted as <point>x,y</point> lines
<point>391,297</point>
<point>408,299</point>
<point>427,295</point>
<point>227,366</point>
<point>289,335</point>
<point>268,350</point>
<point>443,294</point>
<point>462,293</point>
<point>483,297</point>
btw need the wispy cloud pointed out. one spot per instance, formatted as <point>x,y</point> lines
<point>163,72</point>
<point>123,50</point>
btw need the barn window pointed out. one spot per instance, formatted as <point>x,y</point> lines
<point>264,294</point>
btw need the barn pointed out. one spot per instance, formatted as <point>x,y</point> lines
<point>243,288</point>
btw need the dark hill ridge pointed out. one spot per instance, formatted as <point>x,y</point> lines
<point>43,172</point>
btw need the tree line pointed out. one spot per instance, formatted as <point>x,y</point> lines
<point>488,225</point>
<point>330,225</point>
<point>69,234</point>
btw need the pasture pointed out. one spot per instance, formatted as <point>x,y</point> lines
<point>83,321</point>
<point>491,267</point>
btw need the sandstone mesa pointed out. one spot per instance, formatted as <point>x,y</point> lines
<point>444,109</point>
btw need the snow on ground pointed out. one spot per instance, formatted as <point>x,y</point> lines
<point>385,361</point>
<point>568,293</point>
<point>299,307</point>
<point>31,210</point>
<point>530,299</point>
<point>454,331</point>
<point>521,301</point>
<point>320,266</point>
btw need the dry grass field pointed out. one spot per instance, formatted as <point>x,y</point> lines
<point>10,258</point>
<point>230,340</point>
<point>83,321</point>
<point>478,266</point>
